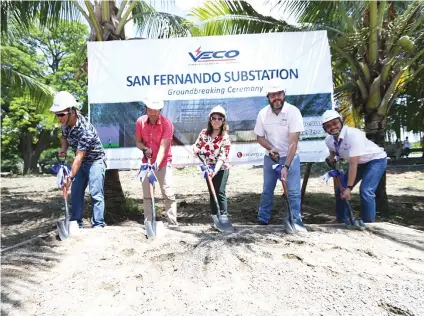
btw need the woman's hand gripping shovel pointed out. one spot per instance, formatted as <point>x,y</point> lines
<point>335,173</point>
<point>220,222</point>
<point>153,228</point>
<point>63,172</point>
<point>290,225</point>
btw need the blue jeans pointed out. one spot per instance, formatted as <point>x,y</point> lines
<point>370,173</point>
<point>270,181</point>
<point>93,175</point>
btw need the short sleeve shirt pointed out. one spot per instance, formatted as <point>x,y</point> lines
<point>277,128</point>
<point>83,136</point>
<point>152,135</point>
<point>355,144</point>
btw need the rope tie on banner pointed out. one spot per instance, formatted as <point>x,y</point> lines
<point>147,170</point>
<point>62,174</point>
<point>206,170</point>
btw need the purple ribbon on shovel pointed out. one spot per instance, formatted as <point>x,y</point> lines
<point>62,174</point>
<point>205,170</point>
<point>147,169</point>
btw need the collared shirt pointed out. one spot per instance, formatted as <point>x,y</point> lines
<point>277,128</point>
<point>354,143</point>
<point>83,136</point>
<point>152,135</point>
<point>215,149</point>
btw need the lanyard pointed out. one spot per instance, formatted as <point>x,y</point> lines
<point>337,143</point>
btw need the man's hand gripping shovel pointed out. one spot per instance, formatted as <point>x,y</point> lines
<point>220,222</point>
<point>290,225</point>
<point>351,222</point>
<point>153,228</point>
<point>61,180</point>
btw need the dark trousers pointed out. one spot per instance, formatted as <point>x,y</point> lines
<point>219,183</point>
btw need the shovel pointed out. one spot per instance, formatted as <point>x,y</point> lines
<point>355,223</point>
<point>290,224</point>
<point>62,175</point>
<point>153,228</point>
<point>63,225</point>
<point>221,222</point>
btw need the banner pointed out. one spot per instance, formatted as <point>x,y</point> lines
<point>195,74</point>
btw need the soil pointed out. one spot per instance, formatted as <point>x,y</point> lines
<point>195,270</point>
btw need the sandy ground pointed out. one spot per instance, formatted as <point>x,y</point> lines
<point>197,271</point>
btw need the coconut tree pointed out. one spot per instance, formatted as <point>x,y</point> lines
<point>377,51</point>
<point>107,20</point>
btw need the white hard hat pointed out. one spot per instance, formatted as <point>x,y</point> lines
<point>218,109</point>
<point>153,99</point>
<point>330,115</point>
<point>275,85</point>
<point>63,100</point>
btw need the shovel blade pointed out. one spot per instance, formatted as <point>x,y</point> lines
<point>150,232</point>
<point>62,230</point>
<point>154,229</point>
<point>159,229</point>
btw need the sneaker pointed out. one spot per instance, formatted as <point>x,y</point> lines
<point>259,222</point>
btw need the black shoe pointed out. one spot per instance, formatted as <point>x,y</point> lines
<point>259,222</point>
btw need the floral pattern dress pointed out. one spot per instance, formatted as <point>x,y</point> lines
<point>214,149</point>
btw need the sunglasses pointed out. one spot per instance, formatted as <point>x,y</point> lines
<point>61,114</point>
<point>275,94</point>
<point>216,118</point>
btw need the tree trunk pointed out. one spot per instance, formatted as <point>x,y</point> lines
<point>115,210</point>
<point>375,127</point>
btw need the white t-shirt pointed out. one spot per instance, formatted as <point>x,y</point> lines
<point>354,144</point>
<point>277,128</point>
<point>406,144</point>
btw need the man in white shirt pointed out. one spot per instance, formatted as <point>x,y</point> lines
<point>367,162</point>
<point>278,127</point>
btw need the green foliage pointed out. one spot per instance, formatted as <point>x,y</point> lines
<point>222,17</point>
<point>47,60</point>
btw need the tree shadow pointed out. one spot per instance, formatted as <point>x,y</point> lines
<point>24,217</point>
<point>19,268</point>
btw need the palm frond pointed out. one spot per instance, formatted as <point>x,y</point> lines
<point>153,24</point>
<point>39,92</point>
<point>220,17</point>
<point>17,16</point>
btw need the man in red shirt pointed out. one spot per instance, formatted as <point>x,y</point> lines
<point>153,136</point>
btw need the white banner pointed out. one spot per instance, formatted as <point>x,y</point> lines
<point>197,73</point>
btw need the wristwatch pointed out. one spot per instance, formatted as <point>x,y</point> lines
<point>350,187</point>
<point>144,150</point>
<point>285,166</point>
<point>72,179</point>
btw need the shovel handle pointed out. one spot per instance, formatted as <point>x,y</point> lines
<point>202,158</point>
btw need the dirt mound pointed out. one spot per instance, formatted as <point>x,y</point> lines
<point>196,271</point>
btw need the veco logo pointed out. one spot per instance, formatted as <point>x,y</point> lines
<point>214,56</point>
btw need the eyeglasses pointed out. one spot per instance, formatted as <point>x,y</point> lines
<point>216,118</point>
<point>275,94</point>
<point>61,114</point>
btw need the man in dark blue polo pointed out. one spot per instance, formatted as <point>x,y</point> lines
<point>88,167</point>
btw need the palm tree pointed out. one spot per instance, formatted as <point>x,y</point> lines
<point>107,20</point>
<point>377,50</point>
